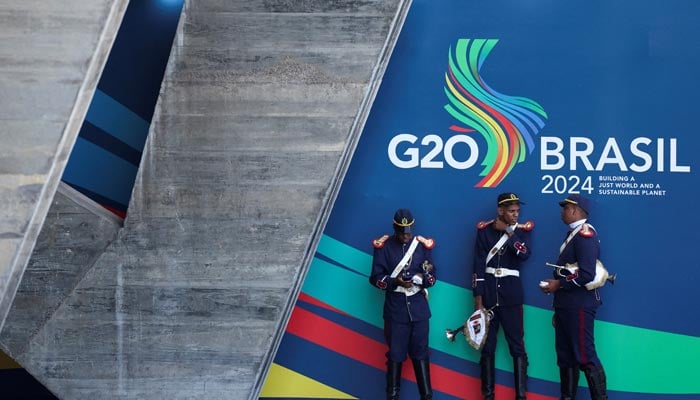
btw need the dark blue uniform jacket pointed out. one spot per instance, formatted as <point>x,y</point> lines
<point>398,307</point>
<point>584,249</point>
<point>508,290</point>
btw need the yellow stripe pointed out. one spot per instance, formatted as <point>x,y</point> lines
<point>282,382</point>
<point>507,200</point>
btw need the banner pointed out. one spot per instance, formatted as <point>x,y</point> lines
<point>544,99</point>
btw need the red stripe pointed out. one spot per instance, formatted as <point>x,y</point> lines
<point>522,327</point>
<point>337,338</point>
<point>120,214</point>
<point>312,300</point>
<point>460,129</point>
<point>341,340</point>
<point>582,335</point>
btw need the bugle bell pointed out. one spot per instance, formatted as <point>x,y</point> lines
<point>601,273</point>
<point>474,328</point>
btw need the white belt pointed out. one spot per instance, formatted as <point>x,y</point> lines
<point>499,272</point>
<point>408,292</point>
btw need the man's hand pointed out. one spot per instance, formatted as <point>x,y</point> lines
<point>499,225</point>
<point>551,286</point>
<point>398,281</point>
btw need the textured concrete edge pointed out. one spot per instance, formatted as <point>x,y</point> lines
<point>134,211</point>
<point>65,146</point>
<point>91,207</point>
<point>329,201</point>
<point>88,204</point>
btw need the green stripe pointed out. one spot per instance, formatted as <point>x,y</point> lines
<point>356,297</point>
<point>345,255</point>
<point>635,359</point>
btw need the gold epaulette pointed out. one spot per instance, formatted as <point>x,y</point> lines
<point>527,226</point>
<point>483,224</point>
<point>587,231</point>
<point>428,243</point>
<point>379,243</point>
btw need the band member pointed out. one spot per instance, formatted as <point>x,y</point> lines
<point>402,266</point>
<point>502,245</point>
<point>574,305</point>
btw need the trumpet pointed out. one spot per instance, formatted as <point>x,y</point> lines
<point>451,334</point>
<point>474,328</point>
<point>601,274</point>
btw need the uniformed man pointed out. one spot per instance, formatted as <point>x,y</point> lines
<point>403,267</point>
<point>574,305</point>
<point>502,244</point>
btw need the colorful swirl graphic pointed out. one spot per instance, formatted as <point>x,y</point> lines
<point>507,123</point>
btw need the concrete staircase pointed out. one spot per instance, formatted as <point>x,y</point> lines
<point>259,112</point>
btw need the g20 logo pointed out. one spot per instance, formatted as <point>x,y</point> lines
<point>412,157</point>
<point>506,123</point>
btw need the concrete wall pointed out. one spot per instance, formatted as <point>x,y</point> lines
<point>258,113</point>
<point>51,55</point>
<point>75,233</point>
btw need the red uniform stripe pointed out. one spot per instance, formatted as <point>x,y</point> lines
<point>582,335</point>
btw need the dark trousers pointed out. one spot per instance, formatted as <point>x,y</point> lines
<point>511,318</point>
<point>574,337</point>
<point>407,339</point>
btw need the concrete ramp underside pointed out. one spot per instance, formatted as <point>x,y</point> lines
<point>51,56</point>
<point>259,110</point>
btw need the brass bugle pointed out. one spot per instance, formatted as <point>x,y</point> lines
<point>451,334</point>
<point>610,278</point>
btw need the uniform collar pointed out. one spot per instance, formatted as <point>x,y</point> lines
<point>575,224</point>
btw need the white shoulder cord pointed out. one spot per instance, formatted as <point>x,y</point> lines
<point>405,258</point>
<point>496,247</point>
<point>571,236</point>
